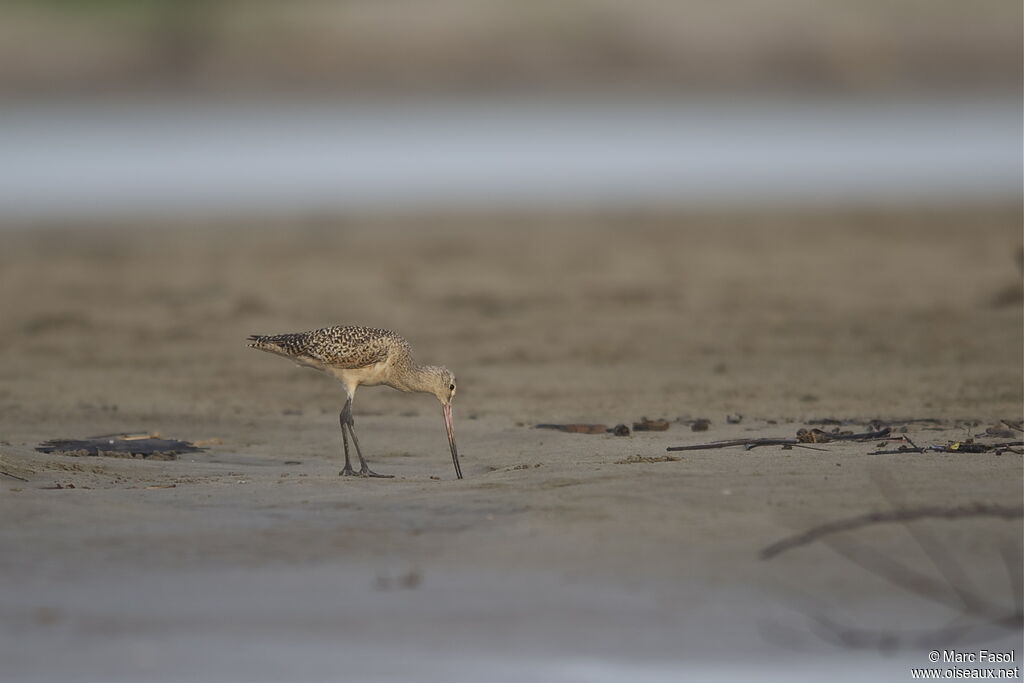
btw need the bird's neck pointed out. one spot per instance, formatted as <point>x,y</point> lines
<point>417,378</point>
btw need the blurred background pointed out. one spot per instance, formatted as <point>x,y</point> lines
<point>116,108</point>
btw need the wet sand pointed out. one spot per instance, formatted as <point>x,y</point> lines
<point>556,557</point>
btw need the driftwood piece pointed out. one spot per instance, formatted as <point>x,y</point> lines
<point>167,449</point>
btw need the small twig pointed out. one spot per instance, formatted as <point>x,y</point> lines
<point>863,436</point>
<point>902,449</point>
<point>13,476</point>
<point>748,443</point>
<point>898,451</point>
<point>889,516</point>
<point>811,448</point>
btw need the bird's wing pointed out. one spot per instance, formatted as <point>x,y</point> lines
<point>352,347</point>
<point>346,347</point>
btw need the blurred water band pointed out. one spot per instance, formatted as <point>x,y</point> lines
<point>172,157</point>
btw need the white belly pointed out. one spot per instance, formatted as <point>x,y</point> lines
<point>370,375</point>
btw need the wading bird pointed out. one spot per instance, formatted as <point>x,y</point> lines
<point>365,355</point>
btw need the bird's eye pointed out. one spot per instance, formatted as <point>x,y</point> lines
<point>451,387</point>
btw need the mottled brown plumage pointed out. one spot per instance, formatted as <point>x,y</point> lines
<point>349,346</point>
<point>364,355</point>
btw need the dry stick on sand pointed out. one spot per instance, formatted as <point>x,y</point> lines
<point>753,443</point>
<point>13,476</point>
<point>913,448</point>
<point>889,516</point>
<point>747,443</point>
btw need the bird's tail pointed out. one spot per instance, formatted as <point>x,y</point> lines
<point>263,343</point>
<point>287,345</point>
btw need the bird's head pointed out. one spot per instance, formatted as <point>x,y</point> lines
<point>442,384</point>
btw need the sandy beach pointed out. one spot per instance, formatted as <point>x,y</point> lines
<point>560,556</point>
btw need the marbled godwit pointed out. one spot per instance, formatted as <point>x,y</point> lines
<point>365,355</point>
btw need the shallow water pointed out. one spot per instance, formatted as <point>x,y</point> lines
<point>88,160</point>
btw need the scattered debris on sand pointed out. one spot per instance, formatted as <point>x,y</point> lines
<point>581,428</point>
<point>646,425</point>
<point>819,436</point>
<point>634,459</point>
<point>578,428</point>
<point>696,424</point>
<point>803,437</point>
<point>877,431</point>
<point>965,446</point>
<point>521,466</point>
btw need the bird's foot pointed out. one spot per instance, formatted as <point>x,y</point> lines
<point>367,472</point>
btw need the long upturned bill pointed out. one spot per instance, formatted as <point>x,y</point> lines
<point>447,409</point>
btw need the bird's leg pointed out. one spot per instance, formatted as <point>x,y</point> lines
<point>347,471</point>
<point>364,470</point>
